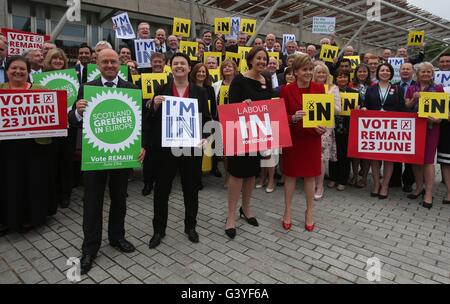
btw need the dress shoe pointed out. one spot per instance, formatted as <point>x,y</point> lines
<point>445,202</point>
<point>427,205</point>
<point>251,221</point>
<point>156,240</point>
<point>407,188</point>
<point>375,194</point>
<point>147,189</point>
<point>216,173</point>
<point>309,228</point>
<point>86,263</point>
<point>415,196</point>
<point>270,190</point>
<point>192,235</point>
<point>340,187</point>
<point>286,226</point>
<point>230,232</point>
<point>123,245</point>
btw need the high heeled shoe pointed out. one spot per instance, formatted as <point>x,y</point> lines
<point>230,232</point>
<point>286,226</point>
<point>309,228</point>
<point>251,220</point>
<point>375,194</point>
<point>413,196</point>
<point>427,205</point>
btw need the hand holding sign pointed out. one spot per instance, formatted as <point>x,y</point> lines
<point>141,155</point>
<point>298,116</point>
<point>81,106</point>
<point>157,101</point>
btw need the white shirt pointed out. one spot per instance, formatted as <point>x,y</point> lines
<point>274,81</point>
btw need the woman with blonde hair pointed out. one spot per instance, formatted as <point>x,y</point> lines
<point>425,173</point>
<point>56,59</point>
<point>321,75</point>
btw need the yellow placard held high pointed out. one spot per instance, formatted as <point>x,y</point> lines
<point>243,51</point>
<point>189,48</point>
<point>215,75</point>
<point>433,105</point>
<point>181,27</point>
<point>356,61</point>
<point>243,67</point>
<point>329,52</point>
<point>233,56</point>
<point>136,80</point>
<point>248,26</point>
<point>222,26</point>
<point>416,38</point>
<point>167,69</point>
<point>349,102</point>
<point>150,81</point>
<point>223,95</point>
<point>319,110</point>
<point>217,55</point>
<point>276,55</point>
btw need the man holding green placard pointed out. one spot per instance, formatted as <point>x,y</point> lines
<point>96,143</point>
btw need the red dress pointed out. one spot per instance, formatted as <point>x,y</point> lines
<point>304,158</point>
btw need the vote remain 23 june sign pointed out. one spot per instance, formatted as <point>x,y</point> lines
<point>255,127</point>
<point>20,41</point>
<point>388,136</point>
<point>32,114</point>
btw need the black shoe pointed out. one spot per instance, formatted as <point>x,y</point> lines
<point>86,263</point>
<point>251,221</point>
<point>156,240</point>
<point>123,245</point>
<point>192,235</point>
<point>427,205</point>
<point>64,204</point>
<point>382,197</point>
<point>407,188</point>
<point>231,232</point>
<point>147,189</point>
<point>216,173</point>
<point>415,196</point>
<point>445,202</point>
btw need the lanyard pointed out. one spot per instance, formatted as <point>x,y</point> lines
<point>384,96</point>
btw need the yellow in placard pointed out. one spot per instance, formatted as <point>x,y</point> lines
<point>350,102</point>
<point>329,52</point>
<point>150,82</point>
<point>233,56</point>
<point>416,38</point>
<point>243,67</point>
<point>189,48</point>
<point>217,55</point>
<point>319,110</point>
<point>181,27</point>
<point>276,55</point>
<point>356,61</point>
<point>243,51</point>
<point>433,105</point>
<point>222,26</point>
<point>167,69</point>
<point>136,79</point>
<point>223,95</point>
<point>215,75</point>
<point>248,26</point>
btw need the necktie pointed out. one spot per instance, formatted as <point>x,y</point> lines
<point>404,88</point>
<point>109,84</point>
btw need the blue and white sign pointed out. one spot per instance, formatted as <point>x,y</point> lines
<point>324,25</point>
<point>396,63</point>
<point>124,29</point>
<point>235,28</point>
<point>442,77</point>
<point>144,48</point>
<point>286,39</point>
<point>180,122</point>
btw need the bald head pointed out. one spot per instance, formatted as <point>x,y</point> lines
<point>270,41</point>
<point>108,63</point>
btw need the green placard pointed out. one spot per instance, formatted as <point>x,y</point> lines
<point>94,72</point>
<point>66,80</point>
<point>111,128</point>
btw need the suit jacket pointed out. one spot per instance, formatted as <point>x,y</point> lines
<point>154,118</point>
<point>395,100</point>
<point>81,78</point>
<point>98,83</point>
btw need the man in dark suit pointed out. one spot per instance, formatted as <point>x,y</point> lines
<point>95,181</point>
<point>84,56</point>
<point>406,75</point>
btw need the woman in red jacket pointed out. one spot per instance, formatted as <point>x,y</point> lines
<point>303,159</point>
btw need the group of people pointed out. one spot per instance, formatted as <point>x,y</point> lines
<point>38,174</point>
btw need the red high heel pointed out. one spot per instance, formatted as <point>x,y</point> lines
<point>286,226</point>
<point>310,228</point>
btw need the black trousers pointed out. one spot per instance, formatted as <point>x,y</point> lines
<point>149,169</point>
<point>190,168</point>
<point>407,177</point>
<point>340,170</point>
<point>94,190</point>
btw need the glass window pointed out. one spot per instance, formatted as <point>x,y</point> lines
<point>94,35</point>
<point>72,30</point>
<point>70,48</point>
<point>109,35</point>
<point>22,23</point>
<point>40,26</point>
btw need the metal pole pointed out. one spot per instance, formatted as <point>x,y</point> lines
<point>58,28</point>
<point>353,38</point>
<point>301,21</point>
<point>191,13</point>
<point>437,57</point>
<point>261,25</point>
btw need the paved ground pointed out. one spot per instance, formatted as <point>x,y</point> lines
<point>412,243</point>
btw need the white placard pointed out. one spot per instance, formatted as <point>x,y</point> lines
<point>124,29</point>
<point>324,25</point>
<point>235,28</point>
<point>442,77</point>
<point>286,39</point>
<point>180,122</point>
<point>396,63</point>
<point>144,48</point>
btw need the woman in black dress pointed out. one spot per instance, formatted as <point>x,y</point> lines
<point>247,87</point>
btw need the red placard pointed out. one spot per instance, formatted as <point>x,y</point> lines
<point>20,41</point>
<point>32,114</point>
<point>255,127</point>
<point>389,136</point>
